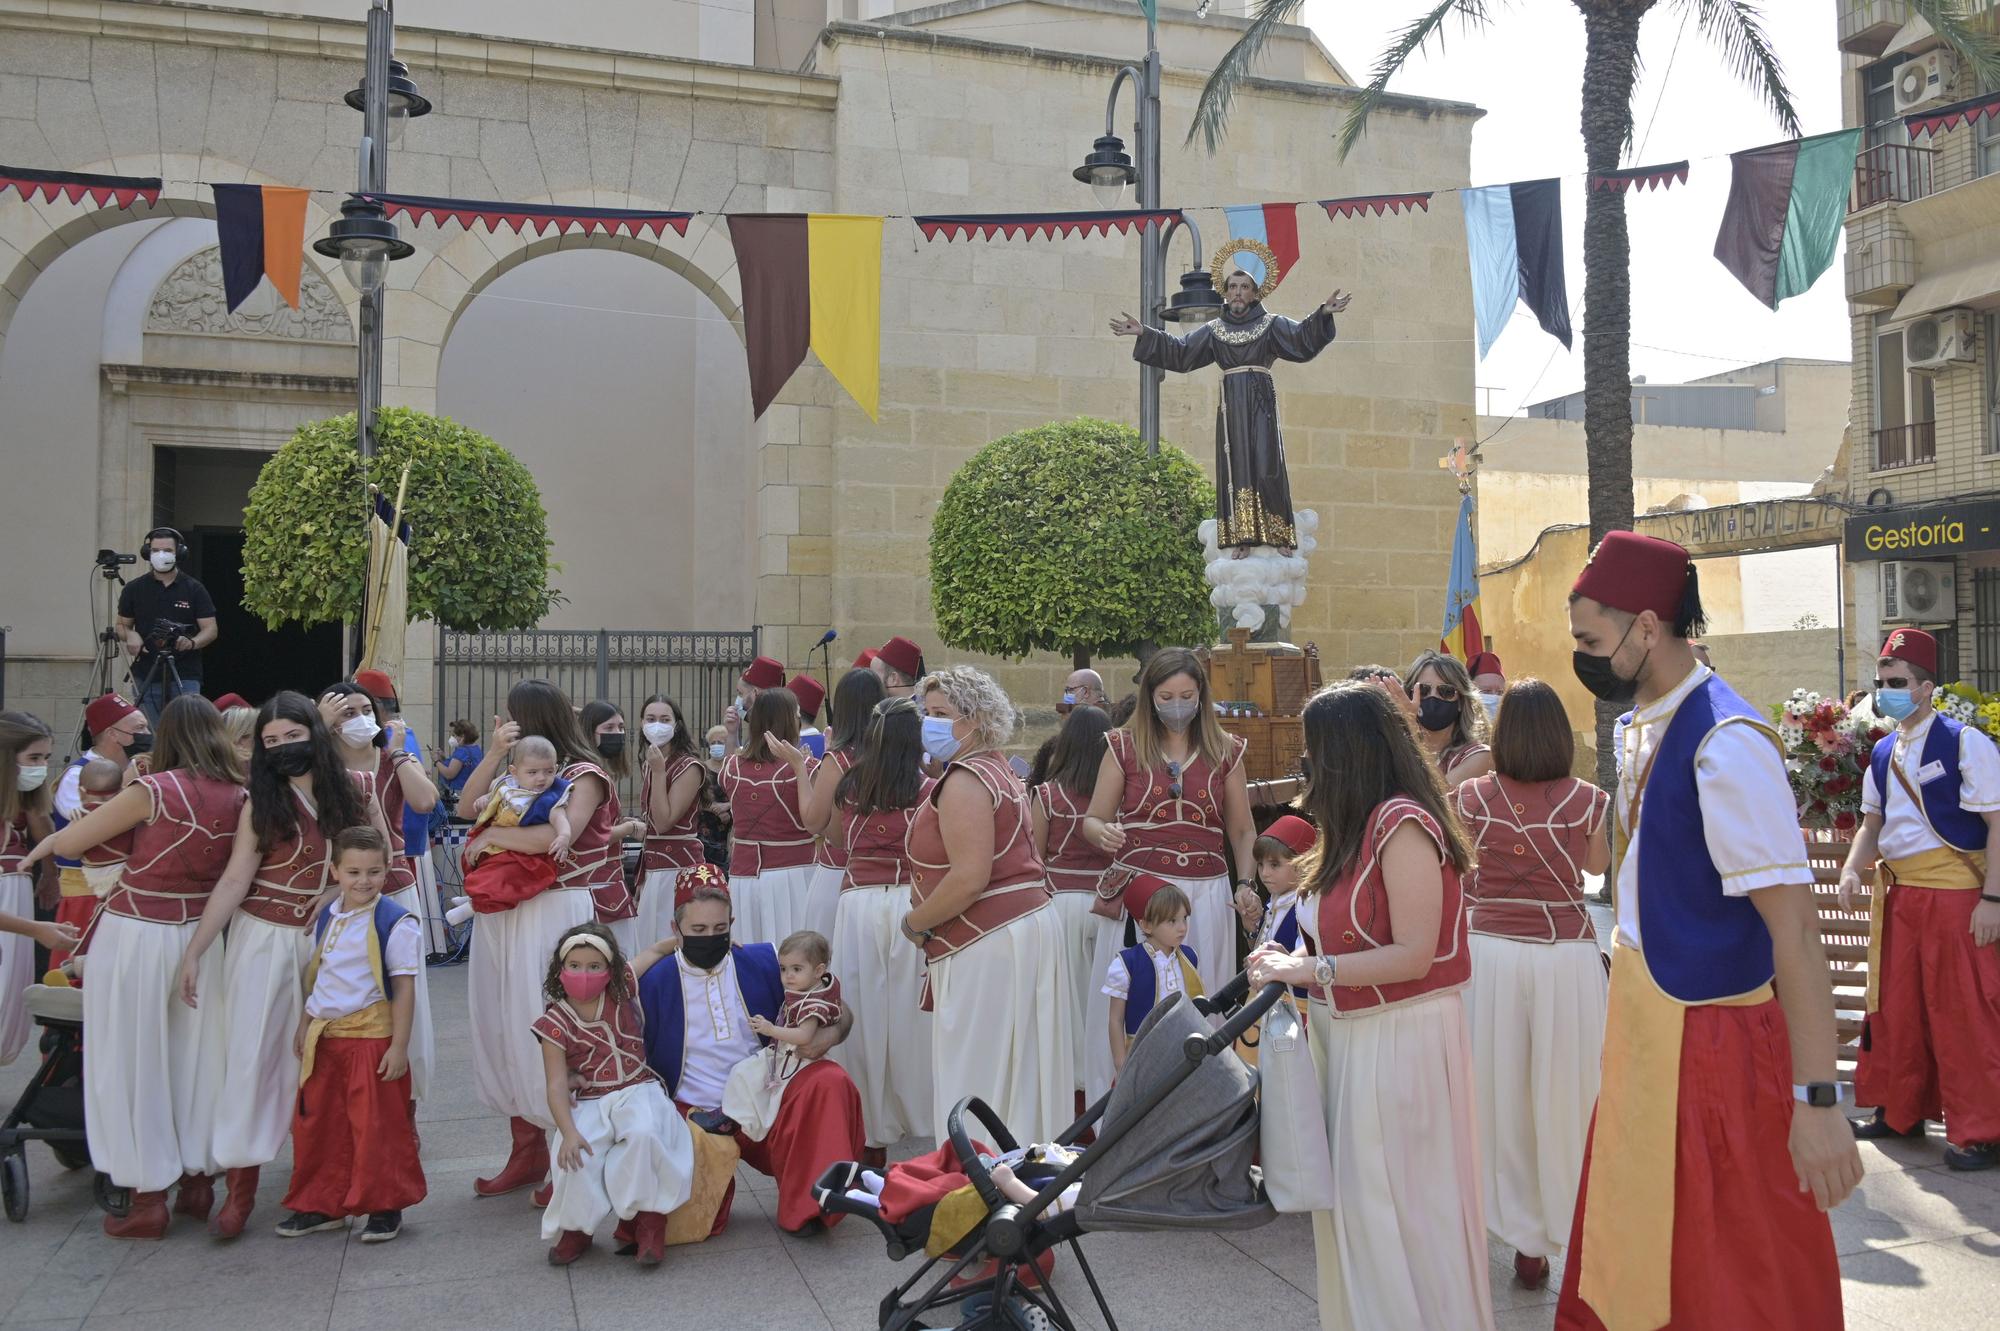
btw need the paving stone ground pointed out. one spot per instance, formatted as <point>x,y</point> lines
<point>1920,1247</point>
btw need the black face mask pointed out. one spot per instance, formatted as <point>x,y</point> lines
<point>611,745</point>
<point>139,743</point>
<point>1596,673</point>
<point>294,759</point>
<point>1436,713</point>
<point>705,951</point>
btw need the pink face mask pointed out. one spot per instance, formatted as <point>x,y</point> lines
<point>584,986</point>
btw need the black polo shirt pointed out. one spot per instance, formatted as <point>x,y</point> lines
<point>161,612</point>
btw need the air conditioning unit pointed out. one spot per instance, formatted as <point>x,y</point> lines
<point>1921,80</point>
<point>1936,342</point>
<point>1918,591</point>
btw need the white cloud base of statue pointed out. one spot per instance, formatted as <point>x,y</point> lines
<point>1259,591</point>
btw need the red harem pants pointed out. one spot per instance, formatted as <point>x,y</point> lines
<point>1932,1048</point>
<point>1750,1249</point>
<point>354,1136</point>
<point>79,911</point>
<point>819,1124</point>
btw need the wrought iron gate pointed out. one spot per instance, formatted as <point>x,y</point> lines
<point>621,666</point>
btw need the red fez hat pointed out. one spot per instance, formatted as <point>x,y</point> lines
<point>1636,573</point>
<point>1914,646</point>
<point>765,673</point>
<point>1297,834</point>
<point>1139,891</point>
<point>229,700</point>
<point>702,875</point>
<point>1483,663</point>
<point>375,684</point>
<point>810,693</point>
<point>105,713</point>
<point>902,656</point>
<point>866,659</point>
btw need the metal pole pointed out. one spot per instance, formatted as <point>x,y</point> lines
<point>373,173</point>
<point>1152,244</point>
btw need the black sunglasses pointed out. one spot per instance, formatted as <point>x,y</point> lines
<point>1173,779</point>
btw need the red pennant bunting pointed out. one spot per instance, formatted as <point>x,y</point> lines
<point>1042,225</point>
<point>539,218</point>
<point>75,186</point>
<point>1641,177</point>
<point>1376,204</point>
<point>1986,105</point>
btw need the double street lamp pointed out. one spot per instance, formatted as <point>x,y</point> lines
<point>1108,169</point>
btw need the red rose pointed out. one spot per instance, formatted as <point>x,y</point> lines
<point>1819,806</point>
<point>1829,764</point>
<point>1843,820</point>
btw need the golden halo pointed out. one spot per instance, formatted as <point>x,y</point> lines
<point>1219,267</point>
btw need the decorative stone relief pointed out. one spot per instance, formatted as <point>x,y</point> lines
<point>191,300</point>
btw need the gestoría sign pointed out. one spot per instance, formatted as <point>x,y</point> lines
<point>1934,531</point>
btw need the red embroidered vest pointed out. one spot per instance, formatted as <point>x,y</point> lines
<point>609,1054</point>
<point>1353,916</point>
<point>1074,865</point>
<point>596,861</point>
<point>291,874</point>
<point>180,851</point>
<point>675,847</point>
<point>876,845</point>
<point>769,831</point>
<point>1018,886</point>
<point>1175,838</point>
<point>827,855</point>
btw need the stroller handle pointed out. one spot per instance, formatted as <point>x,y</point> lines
<point>1204,1046</point>
<point>961,1142</point>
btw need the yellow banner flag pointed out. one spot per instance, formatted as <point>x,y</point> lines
<point>844,279</point>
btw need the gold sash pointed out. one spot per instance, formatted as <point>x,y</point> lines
<point>1628,1225</point>
<point>1941,867</point>
<point>72,883</point>
<point>374,1022</point>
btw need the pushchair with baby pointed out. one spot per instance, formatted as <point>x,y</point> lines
<point>50,1110</point>
<point>1174,1149</point>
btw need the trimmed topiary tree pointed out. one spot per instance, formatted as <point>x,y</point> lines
<point>479,552</point>
<point>1068,538</point>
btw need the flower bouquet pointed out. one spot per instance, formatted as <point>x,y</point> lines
<point>1967,705</point>
<point>1826,747</point>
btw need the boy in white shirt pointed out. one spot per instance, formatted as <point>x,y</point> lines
<point>354,1132</point>
<point>1142,977</point>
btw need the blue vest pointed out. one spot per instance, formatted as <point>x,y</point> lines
<point>1959,829</point>
<point>1699,944</point>
<point>61,822</point>
<point>387,913</point>
<point>666,1015</point>
<point>1286,935</point>
<point>1139,969</point>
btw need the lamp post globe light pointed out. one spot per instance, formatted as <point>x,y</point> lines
<point>1108,170</point>
<point>364,242</point>
<point>1197,301</point>
<point>405,102</point>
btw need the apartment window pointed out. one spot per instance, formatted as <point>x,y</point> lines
<point>1986,628</point>
<point>1905,406</point>
<point>1992,350</point>
<point>1878,104</point>
<point>1986,152</point>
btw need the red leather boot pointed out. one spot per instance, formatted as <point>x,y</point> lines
<point>196,1197</point>
<point>572,1245</point>
<point>146,1219</point>
<point>651,1232</point>
<point>235,1212</point>
<point>527,1162</point>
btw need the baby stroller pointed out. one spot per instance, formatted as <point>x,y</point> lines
<point>51,1108</point>
<point>1174,1150</point>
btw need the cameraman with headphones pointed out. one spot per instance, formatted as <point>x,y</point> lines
<point>166,620</point>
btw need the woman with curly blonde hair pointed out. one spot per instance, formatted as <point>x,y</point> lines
<point>997,976</point>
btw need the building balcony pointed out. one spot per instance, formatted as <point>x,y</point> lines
<point>1892,173</point>
<point>1867,25</point>
<point>1906,446</point>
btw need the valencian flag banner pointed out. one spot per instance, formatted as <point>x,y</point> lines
<point>1513,236</point>
<point>1787,203</point>
<point>811,280</point>
<point>262,230</point>
<point>1462,635</point>
<point>1274,225</point>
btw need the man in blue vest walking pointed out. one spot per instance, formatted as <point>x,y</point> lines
<point>1930,1046</point>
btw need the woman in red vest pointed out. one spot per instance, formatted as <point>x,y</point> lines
<point>771,849</point>
<point>854,700</point>
<point>1383,944</point>
<point>670,801</point>
<point>152,1067</point>
<point>301,796</point>
<point>997,964</point>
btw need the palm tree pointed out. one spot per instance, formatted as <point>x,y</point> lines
<point>1610,72</point>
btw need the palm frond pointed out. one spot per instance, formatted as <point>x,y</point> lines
<point>1218,95</point>
<point>1412,38</point>
<point>1979,49</point>
<point>1736,27</point>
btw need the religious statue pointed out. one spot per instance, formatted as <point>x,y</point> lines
<point>1253,495</point>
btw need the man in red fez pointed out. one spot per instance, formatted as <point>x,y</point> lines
<point>231,700</point>
<point>1489,679</point>
<point>1930,801</point>
<point>1706,1181</point>
<point>765,672</point>
<point>811,694</point>
<point>865,660</point>
<point>900,664</point>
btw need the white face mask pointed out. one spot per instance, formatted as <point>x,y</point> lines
<point>658,732</point>
<point>1492,704</point>
<point>715,750</point>
<point>161,560</point>
<point>31,778</point>
<point>359,730</point>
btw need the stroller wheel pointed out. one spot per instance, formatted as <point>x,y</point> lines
<point>14,1185</point>
<point>110,1198</point>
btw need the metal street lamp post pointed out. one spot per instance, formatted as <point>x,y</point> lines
<point>1108,170</point>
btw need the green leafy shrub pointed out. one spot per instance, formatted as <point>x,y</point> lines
<point>479,552</point>
<point>1068,538</point>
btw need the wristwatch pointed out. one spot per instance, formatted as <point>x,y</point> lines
<point>1820,1094</point>
<point>1323,973</point>
<point>915,935</point>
